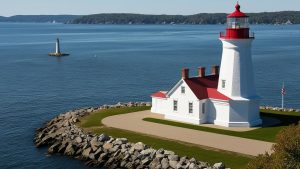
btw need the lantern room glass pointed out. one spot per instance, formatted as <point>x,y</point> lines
<point>237,23</point>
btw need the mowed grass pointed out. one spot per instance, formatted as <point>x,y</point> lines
<point>93,123</point>
<point>95,119</point>
<point>263,133</point>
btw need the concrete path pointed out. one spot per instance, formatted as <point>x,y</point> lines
<point>134,122</point>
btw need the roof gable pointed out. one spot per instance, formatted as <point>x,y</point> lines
<point>206,87</point>
<point>201,87</point>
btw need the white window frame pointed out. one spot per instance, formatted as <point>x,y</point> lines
<point>191,107</point>
<point>203,108</point>
<point>175,108</point>
<point>182,89</point>
<point>223,84</point>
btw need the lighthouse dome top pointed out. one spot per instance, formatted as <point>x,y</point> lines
<point>237,13</point>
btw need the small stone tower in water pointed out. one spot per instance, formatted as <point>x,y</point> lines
<point>57,50</point>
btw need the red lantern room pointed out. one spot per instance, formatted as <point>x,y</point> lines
<point>237,26</point>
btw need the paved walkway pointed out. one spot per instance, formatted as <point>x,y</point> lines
<point>134,122</point>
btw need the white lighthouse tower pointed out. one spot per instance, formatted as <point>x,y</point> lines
<point>58,53</point>
<point>57,46</point>
<point>236,79</point>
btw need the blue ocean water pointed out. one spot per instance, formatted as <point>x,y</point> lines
<point>112,63</point>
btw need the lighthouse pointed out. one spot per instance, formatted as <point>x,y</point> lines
<point>57,50</point>
<point>236,78</point>
<point>57,46</point>
<point>226,96</point>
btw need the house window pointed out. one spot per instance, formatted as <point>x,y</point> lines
<point>190,107</point>
<point>182,89</point>
<point>223,84</point>
<point>203,108</point>
<point>175,105</point>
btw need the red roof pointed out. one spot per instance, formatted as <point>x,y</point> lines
<point>206,87</point>
<point>202,87</point>
<point>237,13</point>
<point>159,94</point>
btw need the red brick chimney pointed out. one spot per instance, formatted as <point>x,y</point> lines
<point>185,73</point>
<point>201,71</point>
<point>215,70</point>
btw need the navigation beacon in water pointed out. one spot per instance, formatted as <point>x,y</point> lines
<point>57,51</point>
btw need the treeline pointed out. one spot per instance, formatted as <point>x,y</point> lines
<point>290,17</point>
<point>40,18</point>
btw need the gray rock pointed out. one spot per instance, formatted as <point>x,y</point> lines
<point>146,161</point>
<point>160,156</point>
<point>183,159</point>
<point>166,152</point>
<point>193,166</point>
<point>92,156</point>
<point>54,148</point>
<point>114,149</point>
<point>103,138</point>
<point>103,156</point>
<point>123,163</point>
<point>95,143</point>
<point>78,139</point>
<point>108,146</point>
<point>147,151</point>
<point>218,166</point>
<point>70,151</point>
<point>86,152</point>
<point>165,163</point>
<point>203,165</point>
<point>160,151</point>
<point>139,146</point>
<point>129,165</point>
<point>154,163</point>
<point>62,147</point>
<point>173,164</point>
<point>173,157</point>
<point>121,141</point>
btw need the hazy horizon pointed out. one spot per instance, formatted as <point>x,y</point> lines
<point>155,7</point>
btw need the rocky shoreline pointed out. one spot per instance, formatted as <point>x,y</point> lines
<point>280,109</point>
<point>62,136</point>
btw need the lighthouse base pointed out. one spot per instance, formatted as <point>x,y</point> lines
<point>238,124</point>
<point>58,54</point>
<point>239,112</point>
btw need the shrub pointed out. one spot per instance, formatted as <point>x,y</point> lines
<point>286,151</point>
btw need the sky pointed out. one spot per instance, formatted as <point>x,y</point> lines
<point>183,7</point>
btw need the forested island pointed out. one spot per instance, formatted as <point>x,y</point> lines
<point>284,17</point>
<point>40,18</point>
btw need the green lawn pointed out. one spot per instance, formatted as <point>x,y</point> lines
<point>93,123</point>
<point>95,119</point>
<point>264,133</point>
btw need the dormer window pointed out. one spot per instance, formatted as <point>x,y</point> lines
<point>182,89</point>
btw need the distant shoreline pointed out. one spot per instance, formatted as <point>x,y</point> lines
<point>274,18</point>
<point>180,24</point>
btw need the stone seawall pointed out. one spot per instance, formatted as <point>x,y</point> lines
<point>62,136</point>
